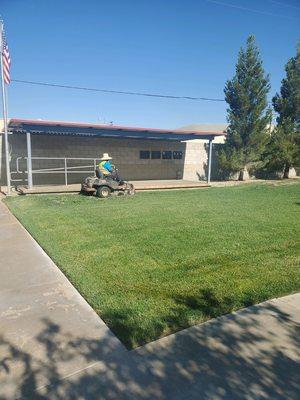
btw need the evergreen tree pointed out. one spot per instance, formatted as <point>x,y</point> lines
<point>248,117</point>
<point>284,148</point>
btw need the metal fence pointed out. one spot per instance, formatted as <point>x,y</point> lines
<point>64,169</point>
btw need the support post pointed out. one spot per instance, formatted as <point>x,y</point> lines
<point>29,161</point>
<point>66,173</point>
<point>209,160</point>
<point>5,115</point>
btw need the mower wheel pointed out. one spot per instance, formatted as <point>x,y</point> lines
<point>131,190</point>
<point>103,192</point>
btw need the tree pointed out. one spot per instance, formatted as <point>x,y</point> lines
<point>248,116</point>
<point>283,151</point>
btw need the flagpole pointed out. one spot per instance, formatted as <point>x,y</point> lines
<point>5,118</point>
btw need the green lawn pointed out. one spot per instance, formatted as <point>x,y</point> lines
<point>161,261</point>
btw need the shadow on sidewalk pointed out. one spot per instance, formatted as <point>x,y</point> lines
<point>234,357</point>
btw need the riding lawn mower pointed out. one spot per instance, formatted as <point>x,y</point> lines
<point>104,187</point>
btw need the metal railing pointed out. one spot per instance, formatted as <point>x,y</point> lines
<point>65,169</point>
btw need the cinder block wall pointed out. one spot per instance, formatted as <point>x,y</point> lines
<point>196,157</point>
<point>125,153</point>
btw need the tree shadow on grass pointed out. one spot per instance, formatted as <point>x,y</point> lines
<point>207,303</point>
<point>126,324</point>
<point>203,306</point>
<point>233,357</point>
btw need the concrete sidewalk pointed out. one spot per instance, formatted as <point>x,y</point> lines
<point>55,347</point>
<point>36,302</point>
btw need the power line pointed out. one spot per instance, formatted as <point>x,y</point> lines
<point>163,96</point>
<point>284,4</point>
<point>249,9</point>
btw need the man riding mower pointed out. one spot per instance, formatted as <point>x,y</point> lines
<point>106,181</point>
<point>107,169</point>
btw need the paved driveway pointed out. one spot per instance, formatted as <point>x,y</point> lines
<point>53,345</point>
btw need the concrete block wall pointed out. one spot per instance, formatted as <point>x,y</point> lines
<point>125,153</point>
<point>196,158</point>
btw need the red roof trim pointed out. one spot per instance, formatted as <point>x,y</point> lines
<point>112,127</point>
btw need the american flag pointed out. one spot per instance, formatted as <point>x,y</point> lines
<point>5,60</point>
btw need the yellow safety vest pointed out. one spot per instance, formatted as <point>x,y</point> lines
<point>103,169</point>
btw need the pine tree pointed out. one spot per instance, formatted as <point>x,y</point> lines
<point>248,116</point>
<point>283,151</point>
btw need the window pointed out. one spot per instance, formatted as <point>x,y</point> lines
<point>145,154</point>
<point>155,155</point>
<point>177,155</point>
<point>167,155</point>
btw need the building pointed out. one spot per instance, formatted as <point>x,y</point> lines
<point>65,152</point>
<point>207,128</point>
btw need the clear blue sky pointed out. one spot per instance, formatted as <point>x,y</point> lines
<point>177,47</point>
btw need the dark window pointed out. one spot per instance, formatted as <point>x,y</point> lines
<point>167,155</point>
<point>145,154</point>
<point>177,155</point>
<point>155,155</point>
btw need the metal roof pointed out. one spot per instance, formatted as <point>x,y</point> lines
<point>84,129</point>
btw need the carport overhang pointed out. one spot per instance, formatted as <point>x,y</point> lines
<point>37,127</point>
<point>84,129</point>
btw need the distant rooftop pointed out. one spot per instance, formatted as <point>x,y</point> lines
<point>205,128</point>
<point>87,129</point>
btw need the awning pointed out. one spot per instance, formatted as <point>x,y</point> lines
<point>91,130</point>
